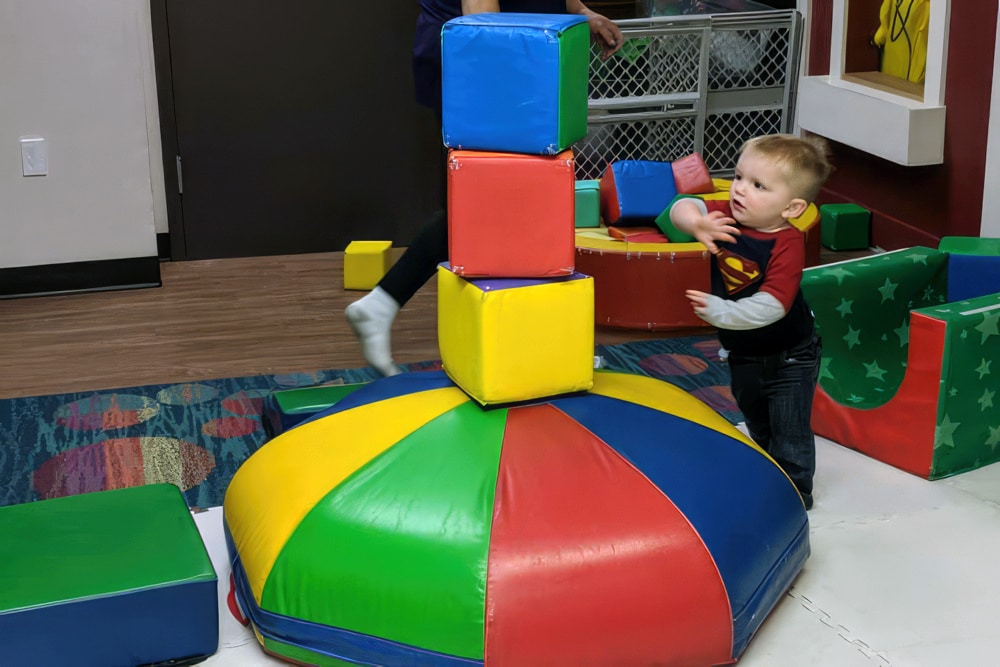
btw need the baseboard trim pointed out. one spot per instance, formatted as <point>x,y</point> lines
<point>73,277</point>
<point>163,246</point>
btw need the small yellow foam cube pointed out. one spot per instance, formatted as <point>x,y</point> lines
<point>365,262</point>
<point>504,340</point>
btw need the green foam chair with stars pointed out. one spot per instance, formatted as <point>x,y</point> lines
<point>907,377</point>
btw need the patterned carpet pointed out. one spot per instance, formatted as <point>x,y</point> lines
<point>197,435</point>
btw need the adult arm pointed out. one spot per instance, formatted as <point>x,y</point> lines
<point>603,30</point>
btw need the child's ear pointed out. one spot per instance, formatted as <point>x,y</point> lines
<point>795,208</point>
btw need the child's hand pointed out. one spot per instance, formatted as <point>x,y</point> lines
<point>699,301</point>
<point>715,226</point>
<point>691,218</point>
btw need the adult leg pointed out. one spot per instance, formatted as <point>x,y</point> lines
<point>371,316</point>
<point>419,262</point>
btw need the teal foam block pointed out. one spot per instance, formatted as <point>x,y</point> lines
<point>588,204</point>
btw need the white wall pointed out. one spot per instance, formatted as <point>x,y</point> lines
<point>991,186</point>
<point>145,38</point>
<point>80,75</point>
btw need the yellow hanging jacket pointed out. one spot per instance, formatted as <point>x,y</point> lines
<point>902,37</point>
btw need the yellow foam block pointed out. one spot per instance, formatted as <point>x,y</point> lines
<point>365,262</point>
<point>504,340</point>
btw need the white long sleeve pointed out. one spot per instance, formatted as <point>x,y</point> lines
<point>752,312</point>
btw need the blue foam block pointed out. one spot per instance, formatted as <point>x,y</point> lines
<point>644,188</point>
<point>971,276</point>
<point>514,83</point>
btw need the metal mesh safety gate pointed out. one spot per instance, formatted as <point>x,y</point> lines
<point>685,84</point>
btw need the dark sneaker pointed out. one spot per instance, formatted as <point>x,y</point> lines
<point>807,500</point>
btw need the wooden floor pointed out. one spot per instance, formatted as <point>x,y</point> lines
<point>212,319</point>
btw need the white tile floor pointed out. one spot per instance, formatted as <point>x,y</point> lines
<point>903,572</point>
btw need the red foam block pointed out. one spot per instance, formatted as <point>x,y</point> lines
<point>511,215</point>
<point>691,175</point>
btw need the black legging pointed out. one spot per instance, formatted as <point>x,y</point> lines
<point>419,261</point>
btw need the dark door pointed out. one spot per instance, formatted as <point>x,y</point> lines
<point>289,126</point>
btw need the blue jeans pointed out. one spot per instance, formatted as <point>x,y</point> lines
<point>775,394</point>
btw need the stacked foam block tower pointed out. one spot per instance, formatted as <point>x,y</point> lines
<point>515,321</point>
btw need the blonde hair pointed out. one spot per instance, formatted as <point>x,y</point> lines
<point>804,161</point>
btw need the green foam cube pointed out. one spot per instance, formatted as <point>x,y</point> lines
<point>844,226</point>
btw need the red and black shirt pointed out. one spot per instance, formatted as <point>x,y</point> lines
<point>758,261</point>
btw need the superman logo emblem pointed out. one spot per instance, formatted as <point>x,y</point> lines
<point>738,273</point>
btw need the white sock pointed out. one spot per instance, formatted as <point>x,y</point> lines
<point>371,318</point>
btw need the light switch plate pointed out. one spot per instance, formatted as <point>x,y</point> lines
<point>34,156</point>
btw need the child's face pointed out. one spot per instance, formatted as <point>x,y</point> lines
<point>759,196</point>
